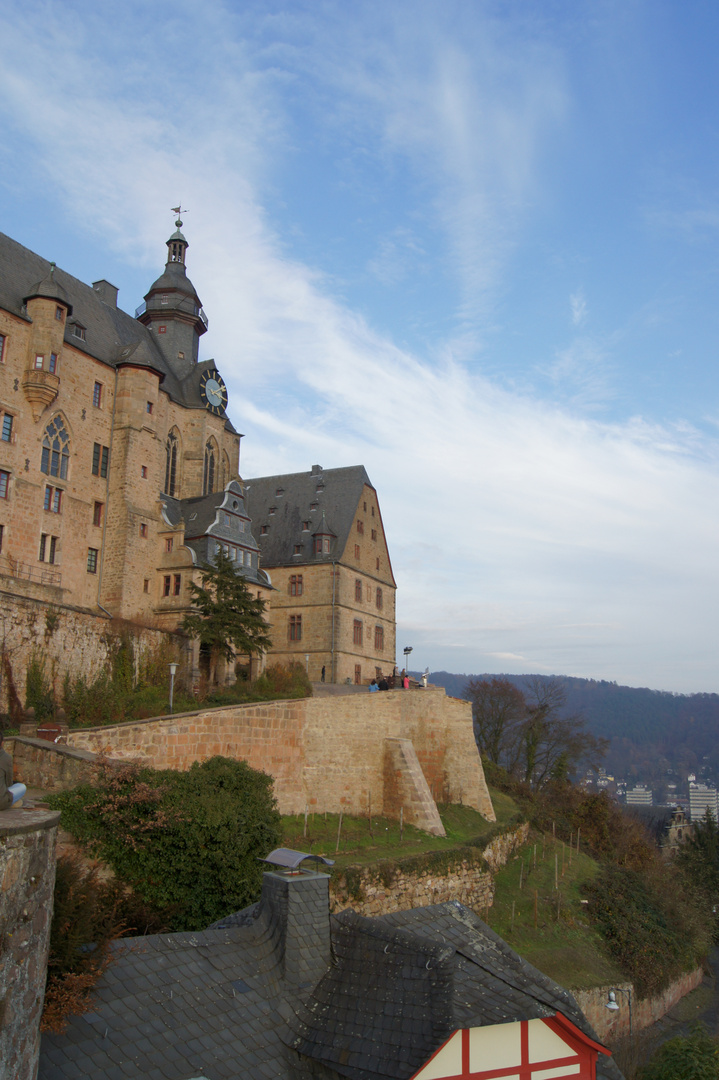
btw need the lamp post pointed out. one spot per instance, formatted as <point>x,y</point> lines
<point>407,651</point>
<point>612,1002</point>
<point>173,672</point>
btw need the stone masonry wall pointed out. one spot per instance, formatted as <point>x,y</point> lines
<point>49,766</point>
<point>27,880</point>
<point>71,641</point>
<point>370,890</point>
<point>612,1026</point>
<point>325,753</point>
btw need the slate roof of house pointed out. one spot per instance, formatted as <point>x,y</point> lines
<point>256,995</point>
<point>334,492</point>
<point>203,519</point>
<point>111,335</point>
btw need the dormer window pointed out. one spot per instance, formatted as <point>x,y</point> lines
<point>280,492</point>
<point>272,509</point>
<point>305,526</point>
<point>164,300</point>
<point>78,331</point>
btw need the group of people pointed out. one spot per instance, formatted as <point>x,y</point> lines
<point>394,680</point>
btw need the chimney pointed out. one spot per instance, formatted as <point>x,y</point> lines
<point>297,912</point>
<point>106,292</point>
<point>316,470</point>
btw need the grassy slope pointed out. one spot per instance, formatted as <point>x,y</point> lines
<point>360,845</point>
<point>564,947</point>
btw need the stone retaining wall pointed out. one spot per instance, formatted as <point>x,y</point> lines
<point>27,881</point>
<point>46,765</point>
<point>611,1026</point>
<point>72,640</point>
<point>377,890</point>
<point>330,754</point>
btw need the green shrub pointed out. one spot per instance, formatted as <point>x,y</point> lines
<point>650,926</point>
<point>278,681</point>
<point>38,688</point>
<point>694,1057</point>
<point>187,843</point>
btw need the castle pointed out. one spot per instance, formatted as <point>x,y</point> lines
<point>119,478</point>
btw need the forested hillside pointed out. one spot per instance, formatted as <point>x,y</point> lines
<point>650,730</point>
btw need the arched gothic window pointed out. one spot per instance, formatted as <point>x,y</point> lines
<point>55,449</point>
<point>171,466</point>
<point>209,479</point>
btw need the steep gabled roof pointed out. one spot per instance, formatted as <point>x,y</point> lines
<point>291,497</point>
<point>403,982</point>
<point>260,995</point>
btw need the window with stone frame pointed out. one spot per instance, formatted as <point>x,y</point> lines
<point>55,449</point>
<point>48,548</point>
<point>171,464</point>
<point>357,632</point>
<point>92,554</point>
<point>374,534</point>
<point>379,638</point>
<point>295,628</point>
<point>6,431</point>
<point>357,551</point>
<point>166,585</point>
<point>3,342</point>
<point>100,460</point>
<point>97,395</point>
<point>4,484</point>
<point>360,527</point>
<point>296,586</point>
<point>2,530</point>
<point>177,585</point>
<point>53,500</point>
<point>208,482</point>
<point>97,513</point>
<point>379,599</point>
<point>358,590</point>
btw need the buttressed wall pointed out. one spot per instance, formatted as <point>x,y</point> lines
<point>401,749</point>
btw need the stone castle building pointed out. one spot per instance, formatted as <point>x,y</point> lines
<point>322,542</point>
<point>119,467</point>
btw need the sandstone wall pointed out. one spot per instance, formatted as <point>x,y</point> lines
<point>27,880</point>
<point>46,765</point>
<point>326,753</point>
<point>71,641</point>
<point>611,1026</point>
<point>377,890</point>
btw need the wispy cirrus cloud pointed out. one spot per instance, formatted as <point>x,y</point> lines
<point>521,530</point>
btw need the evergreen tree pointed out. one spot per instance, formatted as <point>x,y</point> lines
<point>226,618</point>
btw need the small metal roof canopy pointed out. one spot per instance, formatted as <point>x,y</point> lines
<point>290,861</point>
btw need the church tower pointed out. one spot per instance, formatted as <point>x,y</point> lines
<point>172,310</point>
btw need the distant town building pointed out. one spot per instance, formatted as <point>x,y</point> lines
<point>639,796</point>
<point>702,798</point>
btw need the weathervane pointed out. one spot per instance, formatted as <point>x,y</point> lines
<point>179,211</point>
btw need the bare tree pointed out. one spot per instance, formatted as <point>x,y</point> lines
<point>527,733</point>
<point>498,711</point>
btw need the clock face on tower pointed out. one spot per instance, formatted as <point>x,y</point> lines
<point>213,391</point>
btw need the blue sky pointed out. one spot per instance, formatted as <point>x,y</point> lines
<point>472,246</point>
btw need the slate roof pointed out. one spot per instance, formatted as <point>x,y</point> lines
<point>404,982</point>
<point>335,493</point>
<point>111,335</point>
<point>203,521</point>
<point>260,995</point>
